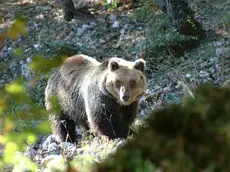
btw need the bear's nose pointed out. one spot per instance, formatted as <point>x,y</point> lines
<point>125,97</point>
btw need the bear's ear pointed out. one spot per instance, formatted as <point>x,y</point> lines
<point>113,65</point>
<point>139,65</point>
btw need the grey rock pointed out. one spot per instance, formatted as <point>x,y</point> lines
<point>92,24</point>
<point>30,153</point>
<point>5,48</point>
<point>26,72</point>
<point>112,17</point>
<point>218,43</point>
<point>203,74</point>
<point>122,32</point>
<point>223,52</point>
<point>218,67</point>
<point>84,27</point>
<point>213,60</point>
<point>47,142</point>
<point>116,24</point>
<point>28,60</point>
<point>15,68</point>
<point>212,70</point>
<point>188,75</point>
<point>79,151</point>
<point>9,49</point>
<point>66,145</point>
<point>36,46</point>
<point>53,148</point>
<point>79,31</point>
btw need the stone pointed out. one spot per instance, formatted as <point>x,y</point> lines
<point>112,17</point>
<point>223,52</point>
<point>116,24</point>
<point>203,74</point>
<point>66,145</point>
<point>30,153</point>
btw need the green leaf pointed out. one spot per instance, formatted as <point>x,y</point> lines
<point>3,105</point>
<point>44,65</point>
<point>44,127</point>
<point>10,149</point>
<point>18,52</point>
<point>14,88</point>
<point>17,29</point>
<point>31,138</point>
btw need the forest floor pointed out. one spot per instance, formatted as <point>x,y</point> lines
<point>106,34</point>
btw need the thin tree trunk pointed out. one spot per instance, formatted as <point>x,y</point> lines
<point>177,11</point>
<point>69,9</point>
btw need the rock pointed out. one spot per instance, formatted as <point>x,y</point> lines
<point>47,142</point>
<point>9,49</point>
<point>36,46</point>
<point>28,60</point>
<point>122,32</point>
<point>84,27</point>
<point>92,24</point>
<point>112,17</point>
<point>218,43</point>
<point>116,24</point>
<point>15,68</point>
<point>30,153</point>
<point>79,151</point>
<point>102,41</point>
<point>26,72</point>
<point>5,48</point>
<point>53,149</point>
<point>223,52</point>
<point>188,75</point>
<point>203,74</point>
<point>81,30</point>
<point>66,145</point>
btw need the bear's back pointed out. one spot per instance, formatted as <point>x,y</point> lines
<point>64,80</point>
<point>80,60</point>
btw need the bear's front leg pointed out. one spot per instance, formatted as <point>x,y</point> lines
<point>107,122</point>
<point>63,129</point>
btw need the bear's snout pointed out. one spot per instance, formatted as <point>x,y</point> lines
<point>125,96</point>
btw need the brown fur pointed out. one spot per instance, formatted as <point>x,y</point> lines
<point>90,97</point>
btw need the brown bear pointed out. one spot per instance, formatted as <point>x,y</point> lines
<point>102,97</point>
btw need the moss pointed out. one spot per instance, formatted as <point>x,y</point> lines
<point>193,137</point>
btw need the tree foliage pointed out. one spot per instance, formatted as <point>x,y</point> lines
<point>21,120</point>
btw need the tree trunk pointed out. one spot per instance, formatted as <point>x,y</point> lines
<point>69,9</point>
<point>177,11</point>
<point>181,18</point>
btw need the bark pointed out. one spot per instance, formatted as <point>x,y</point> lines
<point>177,11</point>
<point>181,18</point>
<point>69,9</point>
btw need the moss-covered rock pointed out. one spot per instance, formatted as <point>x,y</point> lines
<point>193,137</point>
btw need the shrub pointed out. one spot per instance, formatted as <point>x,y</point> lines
<point>193,137</point>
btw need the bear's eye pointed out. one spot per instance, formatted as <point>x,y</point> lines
<point>118,83</point>
<point>132,83</point>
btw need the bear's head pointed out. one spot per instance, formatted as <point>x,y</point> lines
<point>126,81</point>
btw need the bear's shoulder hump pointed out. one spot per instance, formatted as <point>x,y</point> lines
<point>80,58</point>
